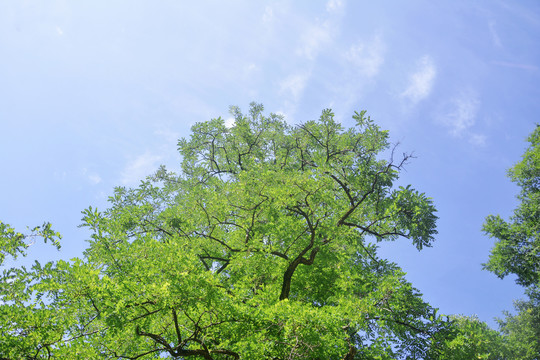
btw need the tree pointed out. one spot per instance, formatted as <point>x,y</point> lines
<point>522,330</point>
<point>27,325</point>
<point>263,247</point>
<point>517,248</point>
<point>517,251</point>
<point>473,339</point>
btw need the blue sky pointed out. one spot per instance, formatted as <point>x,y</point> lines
<point>95,94</point>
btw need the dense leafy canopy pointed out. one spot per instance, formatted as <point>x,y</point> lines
<point>263,247</point>
<point>474,340</point>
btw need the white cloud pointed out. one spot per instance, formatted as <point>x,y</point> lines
<point>59,30</point>
<point>477,139</point>
<point>367,58</point>
<point>314,39</point>
<point>250,72</point>
<point>461,116</point>
<point>287,113</point>
<point>93,177</point>
<point>317,36</point>
<point>139,168</point>
<point>294,85</point>
<point>334,5</point>
<point>268,14</point>
<point>421,82</point>
<point>229,122</point>
<point>170,137</point>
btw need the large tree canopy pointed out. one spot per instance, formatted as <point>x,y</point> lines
<point>263,247</point>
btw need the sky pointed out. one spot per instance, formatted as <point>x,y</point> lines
<point>95,94</point>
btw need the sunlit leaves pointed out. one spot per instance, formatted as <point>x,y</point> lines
<point>264,246</point>
<point>517,249</point>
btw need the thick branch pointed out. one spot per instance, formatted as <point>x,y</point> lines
<point>178,335</point>
<point>343,186</point>
<point>287,276</point>
<point>351,353</point>
<point>174,352</point>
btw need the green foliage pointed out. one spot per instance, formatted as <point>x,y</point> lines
<point>523,329</point>
<point>474,340</point>
<point>264,247</point>
<point>27,324</point>
<point>517,250</point>
<point>13,243</point>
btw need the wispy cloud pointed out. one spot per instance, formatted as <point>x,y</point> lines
<point>516,65</point>
<point>163,154</point>
<point>494,35</point>
<point>294,85</point>
<point>59,30</point>
<point>314,38</point>
<point>93,177</point>
<point>461,116</point>
<point>334,5</point>
<point>140,167</point>
<point>367,57</point>
<point>421,82</point>
<point>250,68</point>
<point>477,139</point>
<point>268,14</point>
<point>170,137</point>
